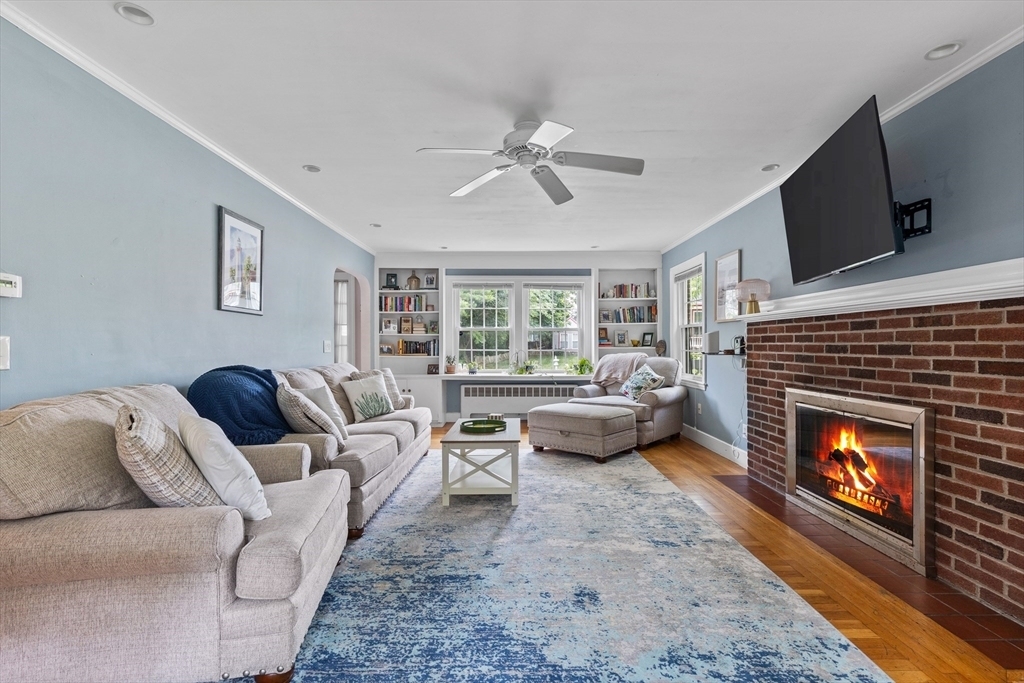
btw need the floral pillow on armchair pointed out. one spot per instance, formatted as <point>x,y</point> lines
<point>369,397</point>
<point>640,382</point>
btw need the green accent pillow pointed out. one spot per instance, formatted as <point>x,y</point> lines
<point>640,382</point>
<point>369,397</point>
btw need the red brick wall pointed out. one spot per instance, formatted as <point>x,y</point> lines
<point>966,361</point>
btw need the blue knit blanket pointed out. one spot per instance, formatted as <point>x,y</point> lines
<point>243,401</point>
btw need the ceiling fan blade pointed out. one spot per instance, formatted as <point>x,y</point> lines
<point>473,184</point>
<point>599,162</point>
<point>548,134</point>
<point>453,150</point>
<point>550,183</point>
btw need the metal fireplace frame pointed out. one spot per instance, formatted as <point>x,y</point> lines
<point>918,555</point>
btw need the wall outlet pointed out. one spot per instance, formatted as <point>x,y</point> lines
<point>328,346</point>
<point>698,408</point>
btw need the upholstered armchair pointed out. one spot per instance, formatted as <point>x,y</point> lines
<point>659,413</point>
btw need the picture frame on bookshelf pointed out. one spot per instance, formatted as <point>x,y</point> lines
<point>432,327</point>
<point>648,339</point>
<point>391,281</point>
<point>430,281</point>
<point>430,308</point>
<point>605,315</point>
<point>727,276</point>
<point>621,338</point>
<point>405,324</point>
<point>602,336</point>
<point>387,349</point>
<point>433,369</point>
<point>389,326</point>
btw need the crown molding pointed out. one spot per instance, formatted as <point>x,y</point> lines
<point>1007,42</point>
<point>998,280</point>
<point>79,59</point>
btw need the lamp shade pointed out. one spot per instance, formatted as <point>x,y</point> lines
<point>749,292</point>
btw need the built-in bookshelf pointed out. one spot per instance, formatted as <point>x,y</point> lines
<point>627,310</point>
<point>408,320</point>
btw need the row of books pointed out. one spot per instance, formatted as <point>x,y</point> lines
<point>404,347</point>
<point>629,291</point>
<point>402,303</point>
<point>632,314</point>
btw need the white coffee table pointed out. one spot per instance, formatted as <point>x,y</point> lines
<point>480,464</point>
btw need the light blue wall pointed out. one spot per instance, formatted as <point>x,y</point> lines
<point>963,147</point>
<point>110,215</point>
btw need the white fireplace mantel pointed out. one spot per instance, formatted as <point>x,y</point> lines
<point>998,280</point>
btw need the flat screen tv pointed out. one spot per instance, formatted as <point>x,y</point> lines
<point>838,205</point>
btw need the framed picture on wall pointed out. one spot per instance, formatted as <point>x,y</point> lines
<point>727,275</point>
<point>240,257</point>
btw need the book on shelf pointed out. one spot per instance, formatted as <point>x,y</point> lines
<point>387,303</point>
<point>628,291</point>
<point>631,314</point>
<point>406,347</point>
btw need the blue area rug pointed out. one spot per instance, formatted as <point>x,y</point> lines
<point>603,573</point>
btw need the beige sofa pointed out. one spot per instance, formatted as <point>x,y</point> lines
<point>379,452</point>
<point>97,584</point>
<point>659,413</point>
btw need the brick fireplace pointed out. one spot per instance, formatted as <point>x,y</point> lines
<point>965,361</point>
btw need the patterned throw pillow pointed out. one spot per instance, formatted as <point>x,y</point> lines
<point>324,400</point>
<point>394,393</point>
<point>641,381</point>
<point>303,415</point>
<point>368,397</point>
<point>155,458</point>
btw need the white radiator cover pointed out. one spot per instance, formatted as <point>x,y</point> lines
<point>510,399</point>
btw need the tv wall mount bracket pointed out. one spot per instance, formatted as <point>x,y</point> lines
<point>902,212</point>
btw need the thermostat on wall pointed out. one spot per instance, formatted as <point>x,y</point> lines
<point>10,285</point>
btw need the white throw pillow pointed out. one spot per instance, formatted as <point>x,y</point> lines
<point>369,397</point>
<point>323,399</point>
<point>640,382</point>
<point>223,465</point>
<point>303,416</point>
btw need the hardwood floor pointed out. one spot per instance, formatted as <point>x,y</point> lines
<point>909,646</point>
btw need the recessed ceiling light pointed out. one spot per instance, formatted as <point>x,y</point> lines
<point>134,14</point>
<point>374,225</point>
<point>311,168</point>
<point>770,167</point>
<point>943,51</point>
<point>594,247</point>
<point>444,247</point>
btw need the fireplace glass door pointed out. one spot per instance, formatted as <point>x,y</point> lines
<point>859,464</point>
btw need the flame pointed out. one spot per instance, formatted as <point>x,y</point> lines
<point>848,441</point>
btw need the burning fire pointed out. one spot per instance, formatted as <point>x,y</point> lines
<point>862,473</point>
<point>853,476</point>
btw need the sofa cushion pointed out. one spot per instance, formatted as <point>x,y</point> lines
<point>394,393</point>
<point>223,465</point>
<point>403,432</point>
<point>369,397</point>
<point>334,375</point>
<point>666,367</point>
<point>304,416</point>
<point>641,410</point>
<point>365,456</point>
<point>59,454</point>
<point>154,456</point>
<point>640,382</point>
<point>285,547</point>
<point>419,418</point>
<point>301,378</point>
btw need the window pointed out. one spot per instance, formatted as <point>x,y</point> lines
<point>553,326</point>
<point>341,322</point>
<point>483,325</point>
<point>523,321</point>
<point>688,319</point>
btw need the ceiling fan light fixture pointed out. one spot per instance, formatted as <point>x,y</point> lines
<point>134,14</point>
<point>943,51</point>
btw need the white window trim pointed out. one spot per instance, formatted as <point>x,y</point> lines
<point>677,348</point>
<point>518,310</point>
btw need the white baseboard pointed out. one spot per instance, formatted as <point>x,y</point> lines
<point>716,446</point>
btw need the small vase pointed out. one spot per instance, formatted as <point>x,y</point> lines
<point>413,282</point>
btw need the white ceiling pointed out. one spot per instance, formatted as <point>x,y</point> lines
<point>706,92</point>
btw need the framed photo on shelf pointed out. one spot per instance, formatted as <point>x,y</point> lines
<point>387,350</point>
<point>430,307</point>
<point>405,325</point>
<point>389,326</point>
<point>240,264</point>
<point>606,315</point>
<point>621,338</point>
<point>602,336</point>
<point>430,281</point>
<point>648,339</point>
<point>727,275</point>
<point>433,369</point>
<point>391,280</point>
<point>432,327</point>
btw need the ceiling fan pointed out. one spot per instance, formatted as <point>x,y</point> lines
<point>528,145</point>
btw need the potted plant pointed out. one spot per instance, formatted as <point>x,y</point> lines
<point>449,365</point>
<point>471,366</point>
<point>581,367</point>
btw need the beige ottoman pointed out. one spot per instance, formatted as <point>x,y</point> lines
<point>599,431</point>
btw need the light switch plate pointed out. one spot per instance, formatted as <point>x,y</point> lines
<point>327,346</point>
<point>5,353</point>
